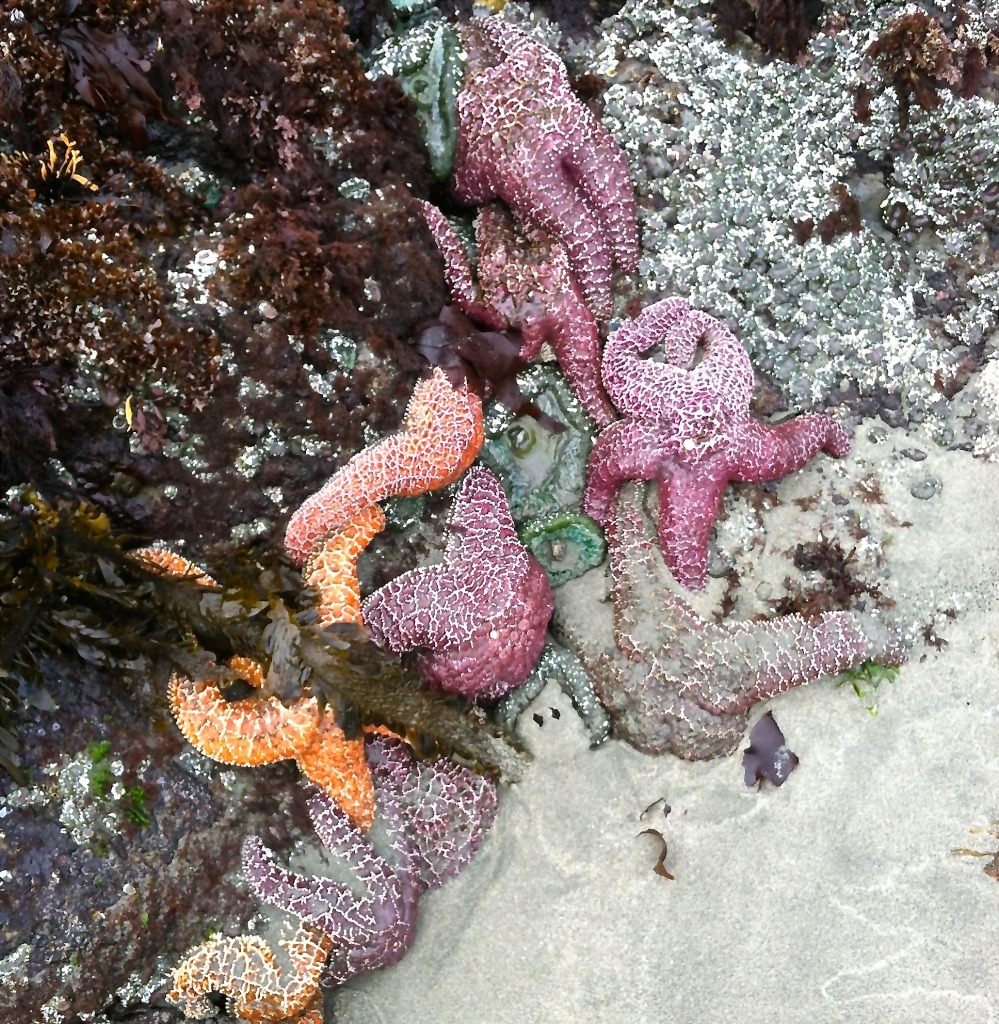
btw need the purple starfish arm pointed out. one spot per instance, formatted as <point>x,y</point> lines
<point>788,652</point>
<point>369,931</point>
<point>690,429</point>
<point>688,506</point>
<point>458,271</point>
<point>626,450</point>
<point>768,452</point>
<point>481,616</point>
<point>524,281</point>
<point>448,808</point>
<point>668,391</point>
<point>523,136</point>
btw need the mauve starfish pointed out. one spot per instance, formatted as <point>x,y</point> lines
<point>677,684</point>
<point>523,280</point>
<point>482,614</point>
<point>689,428</point>
<point>374,929</point>
<point>524,137</point>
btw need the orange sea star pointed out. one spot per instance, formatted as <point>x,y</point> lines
<point>442,433</point>
<point>245,969</point>
<point>257,731</point>
<point>332,568</point>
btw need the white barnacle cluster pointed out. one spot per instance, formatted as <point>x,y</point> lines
<point>729,152</point>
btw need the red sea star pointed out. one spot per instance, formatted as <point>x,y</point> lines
<point>676,684</point>
<point>441,435</point>
<point>689,429</point>
<point>482,614</point>
<point>523,280</point>
<point>524,137</point>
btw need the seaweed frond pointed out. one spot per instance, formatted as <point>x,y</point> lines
<point>69,587</point>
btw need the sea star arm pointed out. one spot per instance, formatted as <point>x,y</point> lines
<point>441,436</point>
<point>572,333</point>
<point>245,969</point>
<point>688,504</point>
<point>675,391</point>
<point>249,732</point>
<point>332,567</point>
<point>458,271</point>
<point>767,452</point>
<point>747,662</point>
<point>626,450</point>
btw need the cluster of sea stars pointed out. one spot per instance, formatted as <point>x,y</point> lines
<point>478,620</point>
<point>433,816</point>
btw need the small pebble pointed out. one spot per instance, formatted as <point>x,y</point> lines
<point>925,488</point>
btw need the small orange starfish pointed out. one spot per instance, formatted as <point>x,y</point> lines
<point>258,731</point>
<point>245,969</point>
<point>442,433</point>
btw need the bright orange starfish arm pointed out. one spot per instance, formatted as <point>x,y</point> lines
<point>257,731</point>
<point>442,433</point>
<point>332,568</point>
<point>249,732</point>
<point>245,969</point>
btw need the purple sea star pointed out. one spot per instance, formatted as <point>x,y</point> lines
<point>674,683</point>
<point>523,281</point>
<point>482,614</point>
<point>689,428</point>
<point>433,818</point>
<point>524,137</point>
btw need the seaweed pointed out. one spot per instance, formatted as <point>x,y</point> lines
<point>70,585</point>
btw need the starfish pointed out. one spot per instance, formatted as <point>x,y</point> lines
<point>245,969</point>
<point>689,428</point>
<point>375,929</point>
<point>524,281</point>
<point>442,433</point>
<point>525,138</point>
<point>482,614</point>
<point>448,807</point>
<point>675,683</point>
<point>258,731</point>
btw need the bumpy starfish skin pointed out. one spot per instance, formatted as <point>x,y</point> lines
<point>257,731</point>
<point>674,683</point>
<point>524,281</point>
<point>441,436</point>
<point>367,931</point>
<point>524,137</point>
<point>690,429</point>
<point>448,808</point>
<point>245,969</point>
<point>331,569</point>
<point>433,818</point>
<point>482,614</point>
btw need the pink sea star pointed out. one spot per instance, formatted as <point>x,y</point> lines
<point>482,614</point>
<point>523,281</point>
<point>525,138</point>
<point>677,684</point>
<point>433,816</point>
<point>689,428</point>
